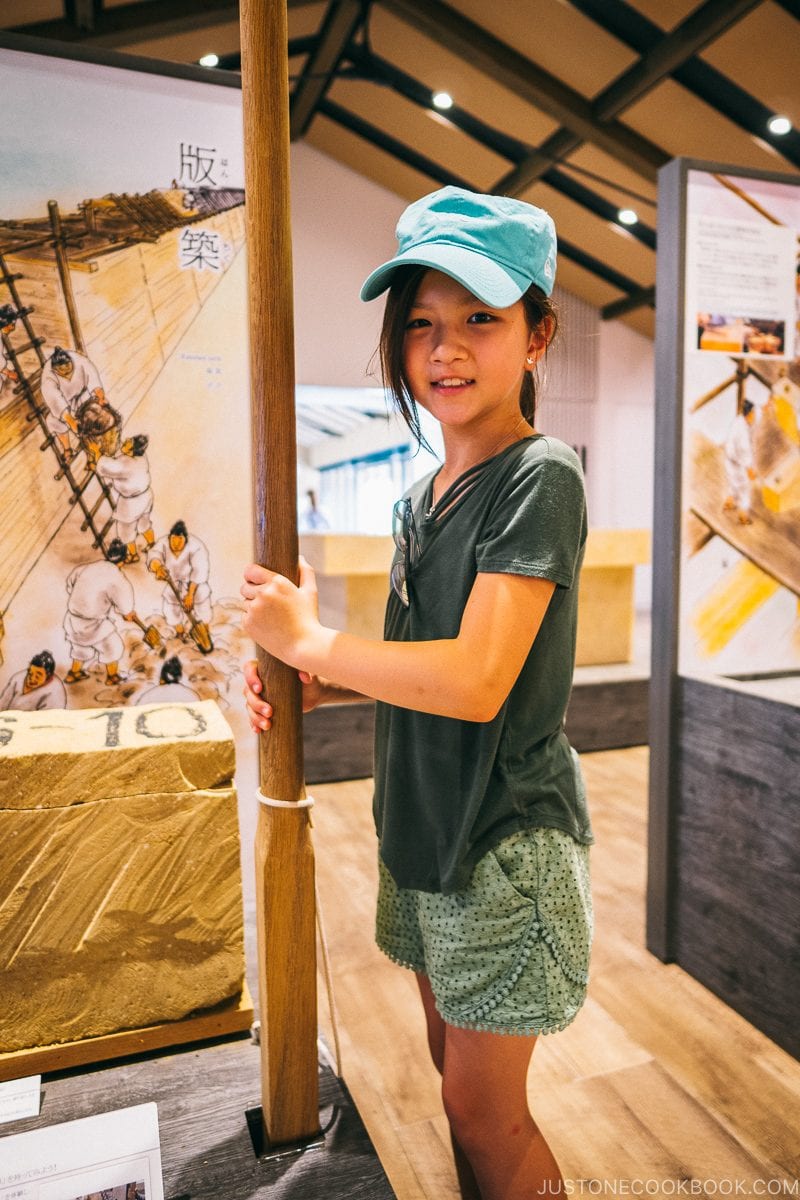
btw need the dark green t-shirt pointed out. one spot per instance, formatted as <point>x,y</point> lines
<point>447,791</point>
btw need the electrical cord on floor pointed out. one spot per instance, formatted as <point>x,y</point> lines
<point>329,989</point>
<point>333,1061</point>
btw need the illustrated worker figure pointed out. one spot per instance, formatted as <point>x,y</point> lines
<point>740,463</point>
<point>184,559</point>
<point>35,688</point>
<point>8,320</point>
<point>169,689</point>
<point>69,379</point>
<point>127,475</point>
<point>98,427</point>
<point>96,590</point>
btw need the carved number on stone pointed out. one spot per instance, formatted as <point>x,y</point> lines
<point>142,724</point>
<point>112,730</point>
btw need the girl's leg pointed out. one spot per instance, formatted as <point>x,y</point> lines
<point>484,1091</point>
<point>437,1031</point>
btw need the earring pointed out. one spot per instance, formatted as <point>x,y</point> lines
<point>529,360</point>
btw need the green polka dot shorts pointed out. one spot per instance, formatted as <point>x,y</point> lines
<point>509,953</point>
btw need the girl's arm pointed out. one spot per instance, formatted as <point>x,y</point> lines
<point>467,677</point>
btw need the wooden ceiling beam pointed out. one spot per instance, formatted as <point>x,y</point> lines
<point>699,29</point>
<point>791,6</point>
<point>83,13</point>
<point>643,298</point>
<point>718,91</point>
<point>342,19</point>
<point>372,67</point>
<point>140,21</point>
<point>532,83</point>
<point>391,145</point>
<point>439,174</point>
<point>552,150</point>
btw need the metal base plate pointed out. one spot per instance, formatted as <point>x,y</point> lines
<point>265,1152</point>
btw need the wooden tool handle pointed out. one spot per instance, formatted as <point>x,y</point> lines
<point>284,856</point>
<point>269,254</point>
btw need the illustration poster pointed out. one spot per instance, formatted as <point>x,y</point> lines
<point>740,576</point>
<point>124,399</point>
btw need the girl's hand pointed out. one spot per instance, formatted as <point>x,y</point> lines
<point>259,710</point>
<point>312,690</point>
<point>278,615</point>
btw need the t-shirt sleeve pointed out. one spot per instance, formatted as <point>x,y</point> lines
<point>537,524</point>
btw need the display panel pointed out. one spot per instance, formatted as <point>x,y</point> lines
<point>113,1156</point>
<point>124,411</point>
<point>740,532</point>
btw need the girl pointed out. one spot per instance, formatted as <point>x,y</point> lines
<point>479,804</point>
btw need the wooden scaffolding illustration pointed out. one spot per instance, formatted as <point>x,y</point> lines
<point>27,359</point>
<point>118,280</point>
<point>768,542</point>
<point>767,546</point>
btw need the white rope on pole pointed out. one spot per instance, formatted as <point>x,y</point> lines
<point>271,802</point>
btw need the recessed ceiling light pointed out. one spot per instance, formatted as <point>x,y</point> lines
<point>443,100</point>
<point>209,60</point>
<point>626,216</point>
<point>779,125</point>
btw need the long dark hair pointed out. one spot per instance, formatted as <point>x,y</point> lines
<point>540,313</point>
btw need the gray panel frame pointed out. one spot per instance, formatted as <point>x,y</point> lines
<point>667,508</point>
<point>666,552</point>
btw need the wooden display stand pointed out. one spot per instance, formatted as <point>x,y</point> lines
<point>352,578</point>
<point>606,610</point>
<point>233,1017</point>
<point>353,569</point>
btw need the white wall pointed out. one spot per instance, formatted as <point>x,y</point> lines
<point>343,227</point>
<point>623,449</point>
<point>623,434</point>
<point>567,402</point>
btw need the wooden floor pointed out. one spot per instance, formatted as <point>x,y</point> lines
<point>655,1085</point>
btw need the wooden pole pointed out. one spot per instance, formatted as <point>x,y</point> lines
<point>62,263</point>
<point>284,855</point>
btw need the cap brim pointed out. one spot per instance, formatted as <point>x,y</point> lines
<point>497,286</point>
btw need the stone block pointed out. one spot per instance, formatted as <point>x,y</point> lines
<point>58,757</point>
<point>120,902</point>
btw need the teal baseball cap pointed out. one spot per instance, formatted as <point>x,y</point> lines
<point>495,246</point>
